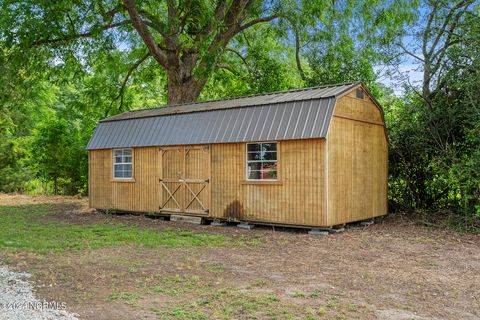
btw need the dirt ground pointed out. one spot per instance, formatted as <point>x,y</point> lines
<point>389,270</point>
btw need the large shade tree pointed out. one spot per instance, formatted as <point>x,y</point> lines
<point>189,39</point>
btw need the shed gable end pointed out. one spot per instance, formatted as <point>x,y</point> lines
<point>362,109</point>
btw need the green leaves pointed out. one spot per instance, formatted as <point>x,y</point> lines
<point>66,64</point>
<point>435,134</point>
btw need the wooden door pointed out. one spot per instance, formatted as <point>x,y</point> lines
<point>197,179</point>
<point>172,190</point>
<point>185,180</point>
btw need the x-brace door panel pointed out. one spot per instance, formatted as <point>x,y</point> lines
<point>185,180</point>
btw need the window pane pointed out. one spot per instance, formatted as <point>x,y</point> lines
<point>254,166</point>
<point>127,167</point>
<point>127,152</point>
<point>118,173</point>
<point>127,174</point>
<point>254,156</point>
<point>269,155</point>
<point>127,159</point>
<point>254,175</point>
<point>118,159</point>
<point>269,146</point>
<point>269,170</point>
<point>269,165</point>
<point>253,147</point>
<point>272,174</point>
<point>117,153</point>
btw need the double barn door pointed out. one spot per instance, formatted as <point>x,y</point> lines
<point>185,180</point>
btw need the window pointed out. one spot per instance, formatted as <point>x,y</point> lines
<point>122,164</point>
<point>262,161</point>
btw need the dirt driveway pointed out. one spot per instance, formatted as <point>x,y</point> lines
<point>390,270</point>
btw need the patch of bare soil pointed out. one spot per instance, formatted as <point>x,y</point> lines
<point>14,199</point>
<point>390,270</point>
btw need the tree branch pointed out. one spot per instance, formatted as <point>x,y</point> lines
<point>144,33</point>
<point>127,77</point>
<point>256,21</point>
<point>107,14</point>
<point>238,54</point>
<point>154,22</point>
<point>297,56</point>
<point>230,69</point>
<point>220,10</point>
<point>452,12</point>
<point>410,53</point>
<point>428,28</point>
<point>227,67</point>
<point>231,23</point>
<point>218,17</point>
<point>241,58</point>
<point>74,36</point>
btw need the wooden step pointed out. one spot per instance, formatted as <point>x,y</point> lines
<point>189,219</point>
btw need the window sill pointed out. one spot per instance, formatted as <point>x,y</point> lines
<point>122,180</point>
<point>260,182</point>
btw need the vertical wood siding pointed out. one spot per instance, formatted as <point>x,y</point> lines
<point>141,194</point>
<point>357,162</point>
<point>297,198</point>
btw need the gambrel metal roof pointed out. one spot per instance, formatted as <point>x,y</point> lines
<point>295,114</point>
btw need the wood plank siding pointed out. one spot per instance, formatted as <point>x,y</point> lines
<point>140,194</point>
<point>297,198</point>
<point>357,161</point>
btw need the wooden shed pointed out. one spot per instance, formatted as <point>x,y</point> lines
<point>314,157</point>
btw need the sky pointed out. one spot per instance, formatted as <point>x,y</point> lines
<point>408,72</point>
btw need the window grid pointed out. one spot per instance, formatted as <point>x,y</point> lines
<point>122,163</point>
<point>261,161</point>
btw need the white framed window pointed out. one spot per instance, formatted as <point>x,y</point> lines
<point>122,163</point>
<point>261,161</point>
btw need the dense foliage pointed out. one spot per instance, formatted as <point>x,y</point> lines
<point>435,130</point>
<point>66,64</point>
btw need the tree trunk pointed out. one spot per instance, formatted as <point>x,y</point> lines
<point>426,82</point>
<point>183,89</point>
<point>55,185</point>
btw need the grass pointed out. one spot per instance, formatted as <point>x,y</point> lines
<point>176,285</point>
<point>181,313</point>
<point>226,303</point>
<point>124,296</point>
<point>23,228</point>
<point>31,228</point>
<point>232,303</point>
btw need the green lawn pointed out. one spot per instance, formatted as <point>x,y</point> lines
<point>24,228</point>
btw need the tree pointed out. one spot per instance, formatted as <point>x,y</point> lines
<point>51,151</point>
<point>441,31</point>
<point>188,39</point>
<point>434,128</point>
